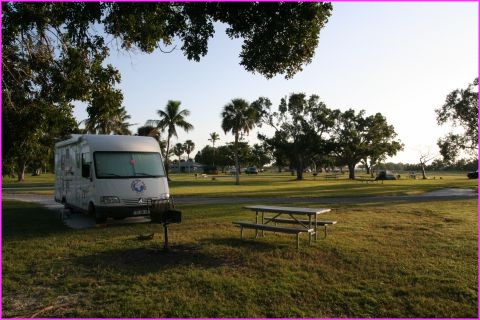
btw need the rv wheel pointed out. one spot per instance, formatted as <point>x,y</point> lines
<point>98,219</point>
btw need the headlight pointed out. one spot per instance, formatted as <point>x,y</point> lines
<point>109,199</point>
<point>165,196</point>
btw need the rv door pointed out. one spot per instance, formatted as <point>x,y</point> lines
<point>85,183</point>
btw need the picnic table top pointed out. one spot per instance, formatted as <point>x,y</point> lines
<point>291,210</point>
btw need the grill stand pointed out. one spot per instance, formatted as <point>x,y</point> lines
<point>164,213</point>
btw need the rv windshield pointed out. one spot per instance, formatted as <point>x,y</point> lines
<point>114,165</point>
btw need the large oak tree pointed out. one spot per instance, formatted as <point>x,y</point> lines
<point>54,52</point>
<point>461,111</point>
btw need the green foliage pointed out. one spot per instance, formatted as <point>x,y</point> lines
<point>54,53</point>
<point>150,129</point>
<point>261,155</point>
<point>178,150</point>
<point>357,137</point>
<point>189,146</point>
<point>171,118</point>
<point>225,155</point>
<point>239,116</point>
<point>302,127</point>
<point>460,110</point>
<point>308,133</point>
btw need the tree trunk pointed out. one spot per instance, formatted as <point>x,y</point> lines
<point>213,161</point>
<point>351,171</point>
<point>424,174</point>
<point>299,174</point>
<point>237,165</point>
<point>299,168</point>
<point>21,170</point>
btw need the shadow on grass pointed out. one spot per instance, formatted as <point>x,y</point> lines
<point>21,220</point>
<point>152,259</point>
<point>247,244</point>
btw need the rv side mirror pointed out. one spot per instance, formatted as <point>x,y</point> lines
<point>86,170</point>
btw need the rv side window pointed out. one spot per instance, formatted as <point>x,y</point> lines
<point>86,165</point>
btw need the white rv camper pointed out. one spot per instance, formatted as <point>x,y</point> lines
<point>110,176</point>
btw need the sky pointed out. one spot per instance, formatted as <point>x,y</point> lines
<point>399,59</point>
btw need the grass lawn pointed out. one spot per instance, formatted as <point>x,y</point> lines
<point>380,260</point>
<point>277,185</point>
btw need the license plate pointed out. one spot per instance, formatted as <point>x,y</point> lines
<point>141,212</point>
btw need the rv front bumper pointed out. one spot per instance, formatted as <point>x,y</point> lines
<point>116,211</point>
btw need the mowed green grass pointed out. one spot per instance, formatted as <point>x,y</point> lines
<point>380,260</point>
<point>278,185</point>
<point>285,185</point>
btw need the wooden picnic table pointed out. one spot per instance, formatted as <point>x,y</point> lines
<point>294,214</point>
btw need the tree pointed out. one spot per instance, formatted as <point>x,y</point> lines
<point>188,146</point>
<point>261,155</point>
<point>54,53</point>
<point>239,116</point>
<point>171,118</point>
<point>44,125</point>
<point>106,114</point>
<point>150,129</point>
<point>357,137</point>
<point>302,128</point>
<point>380,139</point>
<point>424,159</point>
<point>460,110</point>
<point>213,138</point>
<point>204,156</point>
<point>178,150</point>
<point>105,121</point>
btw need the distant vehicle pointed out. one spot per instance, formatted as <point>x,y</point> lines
<point>473,175</point>
<point>111,176</point>
<point>385,175</point>
<point>251,170</point>
<point>233,171</point>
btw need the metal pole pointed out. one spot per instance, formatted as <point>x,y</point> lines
<point>165,230</point>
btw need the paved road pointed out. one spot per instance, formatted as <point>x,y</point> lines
<point>444,194</point>
<point>81,221</point>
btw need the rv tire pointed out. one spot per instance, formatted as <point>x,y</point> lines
<point>92,212</point>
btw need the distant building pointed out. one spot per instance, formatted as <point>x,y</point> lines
<point>186,167</point>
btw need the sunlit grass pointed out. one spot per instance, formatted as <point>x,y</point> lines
<point>285,185</point>
<point>380,260</point>
<point>279,185</point>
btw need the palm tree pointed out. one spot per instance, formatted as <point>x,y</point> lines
<point>178,150</point>
<point>149,131</point>
<point>152,131</point>
<point>239,117</point>
<point>188,146</point>
<point>108,120</point>
<point>120,124</point>
<point>171,118</point>
<point>213,138</point>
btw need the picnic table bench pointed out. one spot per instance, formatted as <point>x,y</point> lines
<point>267,227</point>
<point>323,223</point>
<point>302,225</point>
